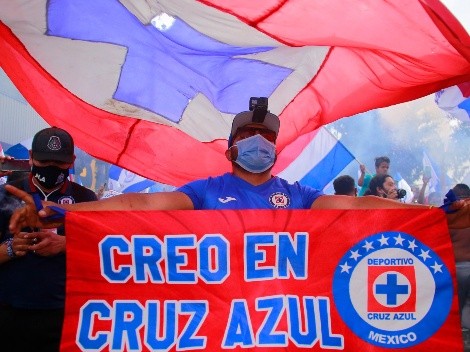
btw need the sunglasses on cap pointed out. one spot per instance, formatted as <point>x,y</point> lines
<point>245,132</point>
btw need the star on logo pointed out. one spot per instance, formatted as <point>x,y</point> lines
<point>412,245</point>
<point>355,255</point>
<point>399,240</point>
<point>425,255</point>
<point>383,240</point>
<point>437,267</point>
<point>345,268</point>
<point>368,246</point>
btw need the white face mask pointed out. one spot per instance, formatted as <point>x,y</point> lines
<point>255,154</point>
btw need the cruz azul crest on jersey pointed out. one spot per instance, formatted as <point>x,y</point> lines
<point>66,200</point>
<point>279,200</point>
<point>392,290</point>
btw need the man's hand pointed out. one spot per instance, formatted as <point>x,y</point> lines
<point>21,243</point>
<point>46,242</point>
<point>28,216</point>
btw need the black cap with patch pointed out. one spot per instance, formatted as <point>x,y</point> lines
<point>53,144</point>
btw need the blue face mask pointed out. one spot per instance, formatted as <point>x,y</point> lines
<point>255,154</point>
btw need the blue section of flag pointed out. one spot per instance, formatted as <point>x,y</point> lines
<point>128,181</point>
<point>164,69</point>
<point>139,186</point>
<point>329,167</point>
<point>465,105</point>
<point>18,151</point>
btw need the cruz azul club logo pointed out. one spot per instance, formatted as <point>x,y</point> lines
<point>392,291</point>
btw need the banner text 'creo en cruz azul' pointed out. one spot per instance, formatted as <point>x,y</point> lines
<point>150,260</point>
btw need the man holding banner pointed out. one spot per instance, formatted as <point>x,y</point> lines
<point>251,185</point>
<point>236,278</point>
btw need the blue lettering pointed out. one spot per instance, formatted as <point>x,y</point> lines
<point>309,337</point>
<point>327,340</point>
<point>213,272</point>
<point>239,331</point>
<point>266,335</point>
<point>290,260</point>
<point>107,247</point>
<point>198,312</point>
<point>127,321</point>
<point>253,256</point>
<point>85,339</point>
<point>293,257</point>
<point>390,261</point>
<point>147,256</point>
<point>176,259</point>
<point>128,318</point>
<point>154,324</point>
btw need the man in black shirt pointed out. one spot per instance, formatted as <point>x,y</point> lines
<point>32,285</point>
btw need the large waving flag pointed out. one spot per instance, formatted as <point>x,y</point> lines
<point>402,184</point>
<point>455,101</point>
<point>318,157</point>
<point>153,86</point>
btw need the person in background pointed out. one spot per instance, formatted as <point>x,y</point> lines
<point>383,186</point>
<point>382,164</point>
<point>422,191</point>
<point>461,245</point>
<point>345,185</point>
<point>32,285</point>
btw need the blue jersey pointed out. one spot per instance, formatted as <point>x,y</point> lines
<point>231,192</point>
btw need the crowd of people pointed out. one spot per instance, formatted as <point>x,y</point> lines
<point>32,250</point>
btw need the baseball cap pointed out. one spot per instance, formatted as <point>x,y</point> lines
<point>244,118</point>
<point>53,144</point>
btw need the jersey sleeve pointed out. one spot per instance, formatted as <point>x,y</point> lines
<point>309,195</point>
<point>195,191</point>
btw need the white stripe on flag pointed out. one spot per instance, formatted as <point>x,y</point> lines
<point>322,159</point>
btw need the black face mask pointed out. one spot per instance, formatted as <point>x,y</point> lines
<point>49,176</point>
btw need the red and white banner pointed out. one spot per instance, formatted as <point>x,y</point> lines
<point>260,280</point>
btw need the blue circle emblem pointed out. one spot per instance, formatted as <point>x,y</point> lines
<point>392,291</point>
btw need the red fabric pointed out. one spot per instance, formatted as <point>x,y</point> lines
<point>331,236</point>
<point>381,53</point>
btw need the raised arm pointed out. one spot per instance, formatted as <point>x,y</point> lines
<point>29,216</point>
<point>360,180</point>
<point>422,191</point>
